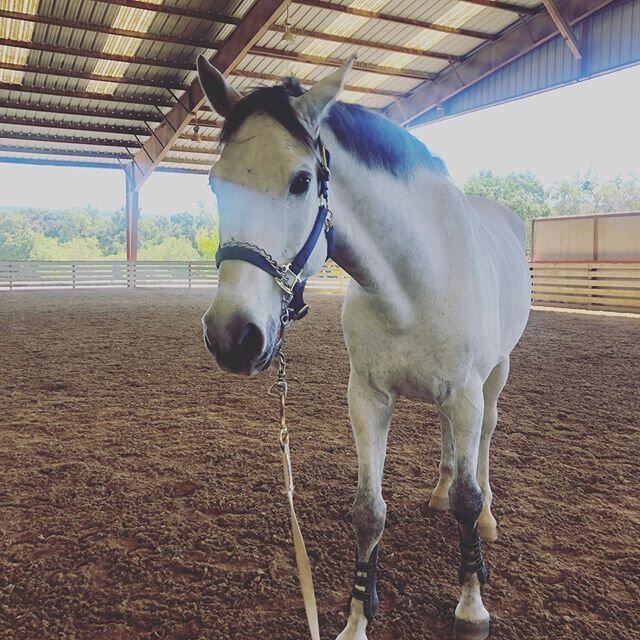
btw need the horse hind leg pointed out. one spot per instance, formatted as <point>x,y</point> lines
<point>370,411</point>
<point>440,495</point>
<point>491,391</point>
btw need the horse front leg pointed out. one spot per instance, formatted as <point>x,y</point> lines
<point>370,412</point>
<point>464,408</point>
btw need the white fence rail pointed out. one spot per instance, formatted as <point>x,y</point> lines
<point>90,274</point>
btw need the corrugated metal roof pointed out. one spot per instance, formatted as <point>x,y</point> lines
<point>73,77</point>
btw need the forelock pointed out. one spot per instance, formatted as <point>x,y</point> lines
<point>273,102</point>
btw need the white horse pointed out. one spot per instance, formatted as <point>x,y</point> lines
<point>439,296</point>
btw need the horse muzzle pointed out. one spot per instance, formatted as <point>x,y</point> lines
<point>241,347</point>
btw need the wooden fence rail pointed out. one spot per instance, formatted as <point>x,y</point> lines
<point>586,285</point>
<point>89,274</point>
<point>612,286</point>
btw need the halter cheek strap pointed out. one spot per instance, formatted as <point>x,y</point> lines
<point>288,277</point>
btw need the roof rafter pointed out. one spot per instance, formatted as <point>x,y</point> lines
<point>412,74</point>
<point>174,11</point>
<point>97,55</point>
<point>75,126</point>
<point>103,28</point>
<point>505,6</point>
<point>388,17</point>
<point>141,116</point>
<point>64,139</point>
<point>521,39</point>
<point>81,75</point>
<point>327,37</point>
<point>563,27</point>
<point>204,44</point>
<point>257,20</point>
<point>187,67</point>
<point>85,95</point>
<point>272,77</point>
<point>5,148</point>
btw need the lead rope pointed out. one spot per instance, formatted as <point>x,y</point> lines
<point>279,388</point>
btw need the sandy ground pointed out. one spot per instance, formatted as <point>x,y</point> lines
<point>140,487</point>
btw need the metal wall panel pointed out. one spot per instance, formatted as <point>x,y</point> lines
<point>609,40</point>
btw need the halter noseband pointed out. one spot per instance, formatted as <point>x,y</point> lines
<point>289,276</point>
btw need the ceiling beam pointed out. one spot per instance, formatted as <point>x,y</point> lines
<point>96,55</point>
<point>141,116</point>
<point>204,163</point>
<point>80,75</point>
<point>204,44</point>
<point>49,20</point>
<point>505,6</point>
<point>182,66</point>
<point>258,19</point>
<point>522,38</point>
<point>50,162</point>
<point>5,148</point>
<point>174,11</point>
<point>412,74</point>
<point>47,162</point>
<point>63,139</point>
<point>272,77</point>
<point>563,27</point>
<point>388,17</point>
<point>86,95</point>
<point>326,37</point>
<point>74,126</point>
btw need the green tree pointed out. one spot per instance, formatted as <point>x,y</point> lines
<point>45,248</point>
<point>169,249</point>
<point>584,193</point>
<point>207,243</point>
<point>523,193</point>
<point>16,237</point>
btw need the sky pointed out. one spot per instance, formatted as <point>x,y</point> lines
<point>594,124</point>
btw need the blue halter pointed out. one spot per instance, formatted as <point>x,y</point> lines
<point>288,277</point>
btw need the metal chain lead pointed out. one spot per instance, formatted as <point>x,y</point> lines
<point>279,388</point>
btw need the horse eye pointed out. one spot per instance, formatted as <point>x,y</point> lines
<point>300,184</point>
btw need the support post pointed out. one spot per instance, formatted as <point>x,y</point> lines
<point>132,210</point>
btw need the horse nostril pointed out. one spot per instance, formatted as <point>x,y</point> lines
<point>251,340</point>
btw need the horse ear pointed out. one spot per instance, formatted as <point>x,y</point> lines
<point>311,106</point>
<point>221,95</point>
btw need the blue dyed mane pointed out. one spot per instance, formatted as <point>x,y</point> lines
<point>374,140</point>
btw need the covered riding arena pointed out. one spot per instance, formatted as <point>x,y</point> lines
<point>140,487</point>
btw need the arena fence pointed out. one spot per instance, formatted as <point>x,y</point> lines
<point>612,286</point>
<point>586,285</point>
<point>89,274</point>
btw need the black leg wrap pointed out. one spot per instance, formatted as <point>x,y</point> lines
<point>364,584</point>
<point>471,560</point>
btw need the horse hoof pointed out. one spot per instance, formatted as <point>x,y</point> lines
<point>487,527</point>
<point>471,630</point>
<point>438,503</point>
<point>488,533</point>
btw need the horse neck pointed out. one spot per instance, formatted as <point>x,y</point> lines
<point>390,236</point>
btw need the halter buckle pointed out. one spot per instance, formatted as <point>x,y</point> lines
<point>287,280</point>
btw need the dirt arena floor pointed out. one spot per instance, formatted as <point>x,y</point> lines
<point>140,488</point>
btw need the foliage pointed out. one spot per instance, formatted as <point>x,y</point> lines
<point>45,248</point>
<point>16,237</point>
<point>523,193</point>
<point>207,243</point>
<point>169,249</point>
<point>87,234</point>
<point>584,193</point>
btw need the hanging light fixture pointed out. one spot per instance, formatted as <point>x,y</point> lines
<point>288,36</point>
<point>196,130</point>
